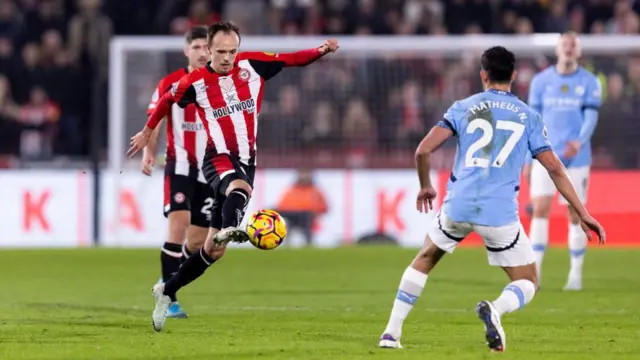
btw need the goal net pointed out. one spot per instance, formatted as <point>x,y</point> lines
<point>366,106</point>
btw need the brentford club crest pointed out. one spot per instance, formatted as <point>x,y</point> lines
<point>244,74</point>
<point>179,198</point>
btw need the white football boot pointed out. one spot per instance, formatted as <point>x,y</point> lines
<point>159,315</point>
<point>494,333</point>
<point>389,342</point>
<point>231,234</point>
<point>573,284</point>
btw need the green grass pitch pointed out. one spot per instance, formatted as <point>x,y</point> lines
<point>307,304</point>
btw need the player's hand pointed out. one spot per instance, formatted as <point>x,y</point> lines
<point>148,160</point>
<point>426,196</point>
<point>589,224</point>
<point>329,46</point>
<point>571,150</point>
<point>139,141</point>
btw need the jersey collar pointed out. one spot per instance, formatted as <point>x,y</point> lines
<point>500,92</point>
<point>555,70</point>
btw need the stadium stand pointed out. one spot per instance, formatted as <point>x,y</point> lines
<point>54,61</point>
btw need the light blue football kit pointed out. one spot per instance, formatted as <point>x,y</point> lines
<point>495,130</point>
<point>569,106</point>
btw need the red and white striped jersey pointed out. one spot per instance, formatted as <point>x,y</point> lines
<point>229,104</point>
<point>186,137</point>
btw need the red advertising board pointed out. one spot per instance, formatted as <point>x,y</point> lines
<point>613,199</point>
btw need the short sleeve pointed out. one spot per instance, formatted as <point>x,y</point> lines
<point>451,118</point>
<point>538,136</point>
<point>535,93</point>
<point>593,93</point>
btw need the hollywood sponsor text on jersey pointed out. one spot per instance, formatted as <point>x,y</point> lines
<point>248,105</point>
<point>189,126</point>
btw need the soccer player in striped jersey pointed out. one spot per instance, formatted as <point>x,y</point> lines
<point>227,94</point>
<point>568,97</point>
<point>187,197</point>
<point>494,131</point>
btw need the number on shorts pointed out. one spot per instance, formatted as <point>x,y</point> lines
<point>487,135</point>
<point>206,208</point>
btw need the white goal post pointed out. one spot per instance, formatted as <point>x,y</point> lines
<point>371,46</point>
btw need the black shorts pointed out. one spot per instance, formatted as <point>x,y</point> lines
<point>184,193</point>
<point>220,170</point>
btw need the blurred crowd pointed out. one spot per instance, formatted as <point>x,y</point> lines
<point>54,71</point>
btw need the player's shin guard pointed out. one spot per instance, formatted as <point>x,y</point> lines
<point>190,270</point>
<point>170,260</point>
<point>577,248</point>
<point>514,296</point>
<point>233,208</point>
<point>411,286</point>
<point>539,235</point>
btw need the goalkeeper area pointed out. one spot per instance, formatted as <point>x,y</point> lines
<point>306,304</point>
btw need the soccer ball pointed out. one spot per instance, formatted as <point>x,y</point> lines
<point>266,229</point>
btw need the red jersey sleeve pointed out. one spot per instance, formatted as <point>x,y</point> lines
<point>161,88</point>
<point>183,93</point>
<point>268,65</point>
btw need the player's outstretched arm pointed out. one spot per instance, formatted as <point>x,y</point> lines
<point>269,64</point>
<point>558,174</point>
<point>183,94</point>
<point>431,142</point>
<point>141,139</point>
<point>306,57</point>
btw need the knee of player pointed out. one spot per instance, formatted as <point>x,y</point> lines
<point>527,272</point>
<point>178,225</point>
<point>428,256</point>
<point>196,237</point>
<point>239,186</point>
<point>541,208</point>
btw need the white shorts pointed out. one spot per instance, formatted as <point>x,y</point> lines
<point>542,185</point>
<point>506,245</point>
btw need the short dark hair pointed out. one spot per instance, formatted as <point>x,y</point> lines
<point>196,32</point>
<point>226,27</point>
<point>499,63</point>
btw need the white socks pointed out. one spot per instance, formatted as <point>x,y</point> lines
<point>539,235</point>
<point>411,286</point>
<point>514,296</point>
<point>577,248</point>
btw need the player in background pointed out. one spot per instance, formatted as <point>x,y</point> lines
<point>227,94</point>
<point>568,97</point>
<point>187,197</point>
<point>494,131</point>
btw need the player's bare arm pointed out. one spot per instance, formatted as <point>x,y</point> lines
<point>431,142</point>
<point>181,94</point>
<point>558,174</point>
<point>149,152</point>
